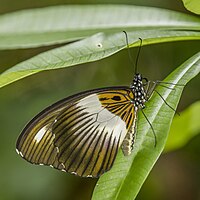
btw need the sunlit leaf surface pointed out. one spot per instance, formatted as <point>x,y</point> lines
<point>53,25</point>
<point>90,49</point>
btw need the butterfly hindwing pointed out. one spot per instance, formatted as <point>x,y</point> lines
<point>81,134</point>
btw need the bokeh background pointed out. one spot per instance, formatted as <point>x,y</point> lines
<point>175,176</point>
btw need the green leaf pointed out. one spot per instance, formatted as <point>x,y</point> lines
<point>184,127</point>
<point>192,5</point>
<point>125,179</point>
<point>61,24</point>
<point>90,49</point>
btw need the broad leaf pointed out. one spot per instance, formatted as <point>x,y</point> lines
<point>125,179</point>
<point>61,24</point>
<point>184,127</point>
<point>192,5</point>
<point>90,49</point>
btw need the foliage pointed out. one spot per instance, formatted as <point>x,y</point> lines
<point>192,5</point>
<point>184,127</point>
<point>99,37</point>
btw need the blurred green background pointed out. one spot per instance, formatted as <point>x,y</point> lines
<point>176,175</point>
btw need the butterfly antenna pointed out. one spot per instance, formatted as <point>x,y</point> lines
<point>155,138</point>
<point>129,53</point>
<point>137,58</point>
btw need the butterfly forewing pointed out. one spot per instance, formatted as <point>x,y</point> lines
<point>81,134</point>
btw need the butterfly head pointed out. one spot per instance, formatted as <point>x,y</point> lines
<point>137,86</point>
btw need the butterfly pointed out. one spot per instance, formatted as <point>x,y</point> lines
<point>82,134</point>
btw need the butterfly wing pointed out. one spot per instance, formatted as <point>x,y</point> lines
<point>80,134</point>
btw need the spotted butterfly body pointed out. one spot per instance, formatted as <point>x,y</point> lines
<point>81,134</point>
